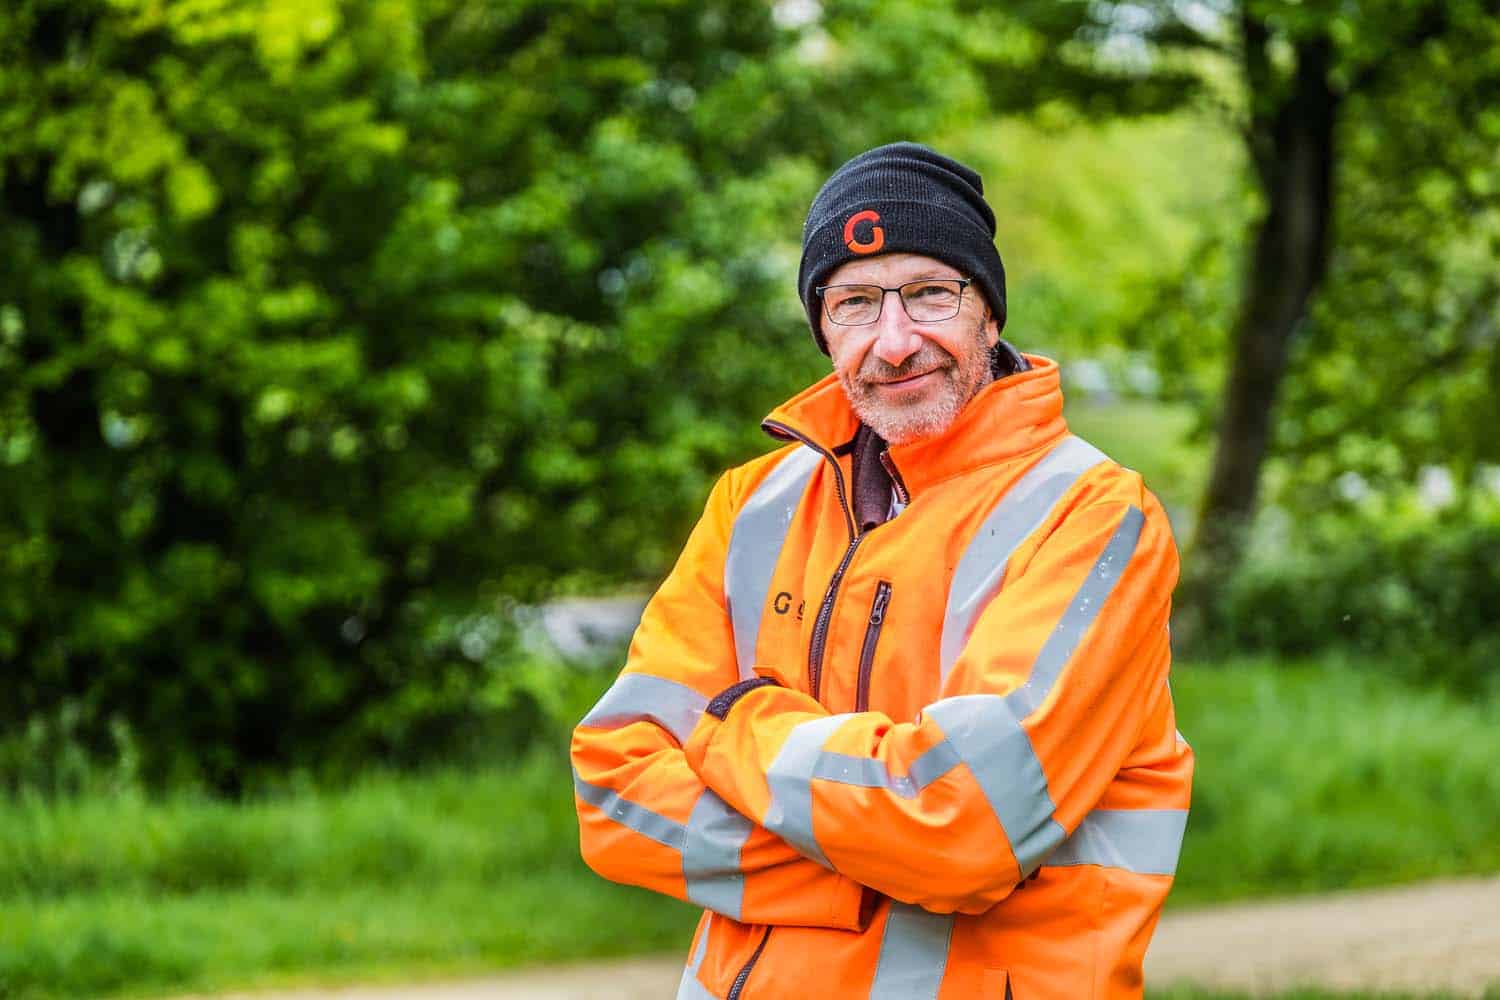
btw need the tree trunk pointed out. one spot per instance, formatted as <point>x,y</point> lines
<point>1291,144</point>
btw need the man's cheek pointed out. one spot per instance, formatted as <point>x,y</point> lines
<point>851,351</point>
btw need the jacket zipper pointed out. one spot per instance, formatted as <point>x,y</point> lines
<point>825,618</point>
<point>739,980</point>
<point>872,638</point>
<point>825,611</point>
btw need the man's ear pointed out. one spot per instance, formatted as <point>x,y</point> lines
<point>991,328</point>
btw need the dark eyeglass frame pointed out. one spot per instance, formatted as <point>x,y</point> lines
<point>963,284</point>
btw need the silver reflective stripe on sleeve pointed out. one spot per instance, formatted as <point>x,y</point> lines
<point>932,765</point>
<point>913,954</point>
<point>709,844</point>
<point>755,544</point>
<point>986,730</point>
<point>642,697</point>
<point>867,772</point>
<point>711,855</point>
<point>980,570</point>
<point>667,832</point>
<point>790,776</point>
<point>1144,841</point>
<point>987,734</point>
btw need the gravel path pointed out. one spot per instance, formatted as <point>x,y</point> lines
<point>1423,938</point>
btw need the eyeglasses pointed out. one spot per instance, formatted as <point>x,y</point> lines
<point>926,300</point>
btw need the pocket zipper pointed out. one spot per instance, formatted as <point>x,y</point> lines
<point>872,638</point>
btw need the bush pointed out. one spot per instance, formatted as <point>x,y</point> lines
<point>1414,590</point>
<point>325,330</point>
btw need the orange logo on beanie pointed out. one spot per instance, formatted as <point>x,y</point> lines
<point>877,234</point>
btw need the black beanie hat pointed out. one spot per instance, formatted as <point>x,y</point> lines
<point>901,197</point>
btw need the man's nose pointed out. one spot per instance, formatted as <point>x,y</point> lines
<point>895,339</point>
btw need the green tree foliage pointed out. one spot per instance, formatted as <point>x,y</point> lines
<point>1401,358</point>
<point>326,328</point>
<point>1362,282</point>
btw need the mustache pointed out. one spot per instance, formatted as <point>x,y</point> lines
<point>929,357</point>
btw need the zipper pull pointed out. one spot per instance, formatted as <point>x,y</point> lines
<point>882,598</point>
<point>890,469</point>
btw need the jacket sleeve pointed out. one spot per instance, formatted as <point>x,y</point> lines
<point>644,817</point>
<point>951,811</point>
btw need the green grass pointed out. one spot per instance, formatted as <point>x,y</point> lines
<point>393,877</point>
<point>1330,776</point>
<point>1309,777</point>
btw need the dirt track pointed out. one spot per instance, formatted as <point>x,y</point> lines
<point>1439,936</point>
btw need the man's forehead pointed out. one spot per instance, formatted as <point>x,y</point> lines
<point>890,269</point>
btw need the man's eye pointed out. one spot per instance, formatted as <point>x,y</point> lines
<point>929,292</point>
<point>852,301</point>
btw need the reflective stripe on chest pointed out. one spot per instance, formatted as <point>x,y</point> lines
<point>755,545</point>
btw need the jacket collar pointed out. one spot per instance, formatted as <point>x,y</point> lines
<point>1007,419</point>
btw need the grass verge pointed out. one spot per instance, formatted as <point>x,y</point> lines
<point>1328,775</point>
<point>1310,777</point>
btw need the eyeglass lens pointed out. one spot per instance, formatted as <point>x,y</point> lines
<point>925,301</point>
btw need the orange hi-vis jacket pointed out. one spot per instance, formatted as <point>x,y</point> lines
<point>961,776</point>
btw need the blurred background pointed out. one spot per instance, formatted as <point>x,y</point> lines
<point>364,364</point>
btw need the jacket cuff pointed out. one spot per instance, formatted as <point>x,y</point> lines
<point>725,699</point>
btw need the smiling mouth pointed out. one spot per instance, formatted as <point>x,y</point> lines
<point>908,380</point>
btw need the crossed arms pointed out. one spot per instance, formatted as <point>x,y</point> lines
<point>782,813</point>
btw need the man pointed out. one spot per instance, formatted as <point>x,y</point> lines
<point>899,718</point>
